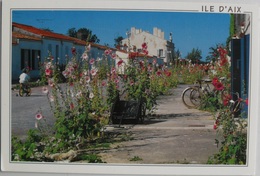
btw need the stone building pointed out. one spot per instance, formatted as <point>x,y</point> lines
<point>158,46</point>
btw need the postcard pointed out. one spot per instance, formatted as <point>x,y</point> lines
<point>129,88</point>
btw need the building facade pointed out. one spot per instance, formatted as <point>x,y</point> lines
<point>30,47</point>
<point>157,46</point>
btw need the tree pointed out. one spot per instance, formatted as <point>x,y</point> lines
<point>194,56</point>
<point>72,32</point>
<point>118,41</point>
<point>177,54</point>
<point>83,34</point>
<point>47,29</point>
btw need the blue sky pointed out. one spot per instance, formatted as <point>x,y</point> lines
<point>190,30</point>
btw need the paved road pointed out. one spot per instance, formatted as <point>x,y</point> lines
<point>174,134</point>
<point>25,108</point>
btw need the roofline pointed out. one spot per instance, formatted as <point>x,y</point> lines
<point>66,38</point>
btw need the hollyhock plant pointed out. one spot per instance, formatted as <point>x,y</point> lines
<point>45,90</point>
<point>92,61</point>
<point>120,62</point>
<point>38,116</point>
<point>219,86</point>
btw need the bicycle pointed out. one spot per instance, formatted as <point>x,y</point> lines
<point>191,96</point>
<point>24,89</point>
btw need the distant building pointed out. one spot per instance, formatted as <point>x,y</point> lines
<point>30,47</point>
<point>158,46</point>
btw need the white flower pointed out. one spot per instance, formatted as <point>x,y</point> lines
<point>45,90</point>
<point>91,95</point>
<point>84,56</point>
<point>79,94</point>
<point>232,101</point>
<point>51,98</point>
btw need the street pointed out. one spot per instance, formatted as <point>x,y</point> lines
<point>173,134</point>
<point>25,108</point>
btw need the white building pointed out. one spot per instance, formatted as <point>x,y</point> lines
<point>158,46</point>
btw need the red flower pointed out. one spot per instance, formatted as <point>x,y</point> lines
<point>133,55</point>
<point>223,61</point>
<point>215,126</point>
<point>144,46</point>
<point>219,86</point>
<point>246,101</point>
<point>71,106</point>
<point>158,73</point>
<point>120,62</point>
<point>215,80</point>
<point>226,99</point>
<point>168,73</point>
<point>73,50</point>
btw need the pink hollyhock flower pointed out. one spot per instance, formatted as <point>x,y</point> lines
<point>104,83</point>
<point>87,79</point>
<point>113,55</point>
<point>88,48</point>
<point>93,72</point>
<point>92,61</point>
<point>113,70</point>
<point>65,74</point>
<point>132,82</point>
<point>48,72</point>
<point>108,51</point>
<point>48,65</point>
<point>38,116</point>
<point>154,61</point>
<point>116,81</point>
<point>84,56</point>
<point>50,82</point>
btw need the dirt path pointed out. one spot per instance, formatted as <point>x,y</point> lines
<point>174,134</point>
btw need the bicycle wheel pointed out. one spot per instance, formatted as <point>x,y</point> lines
<point>195,97</point>
<point>29,91</point>
<point>21,92</point>
<point>190,97</point>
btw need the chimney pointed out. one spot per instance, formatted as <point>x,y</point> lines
<point>155,31</point>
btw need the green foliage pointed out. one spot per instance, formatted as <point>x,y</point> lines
<point>83,34</point>
<point>91,158</point>
<point>233,139</point>
<point>136,158</point>
<point>194,56</point>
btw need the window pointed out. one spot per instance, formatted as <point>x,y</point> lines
<point>31,59</point>
<point>160,53</point>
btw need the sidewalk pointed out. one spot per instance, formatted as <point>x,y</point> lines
<point>173,135</point>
